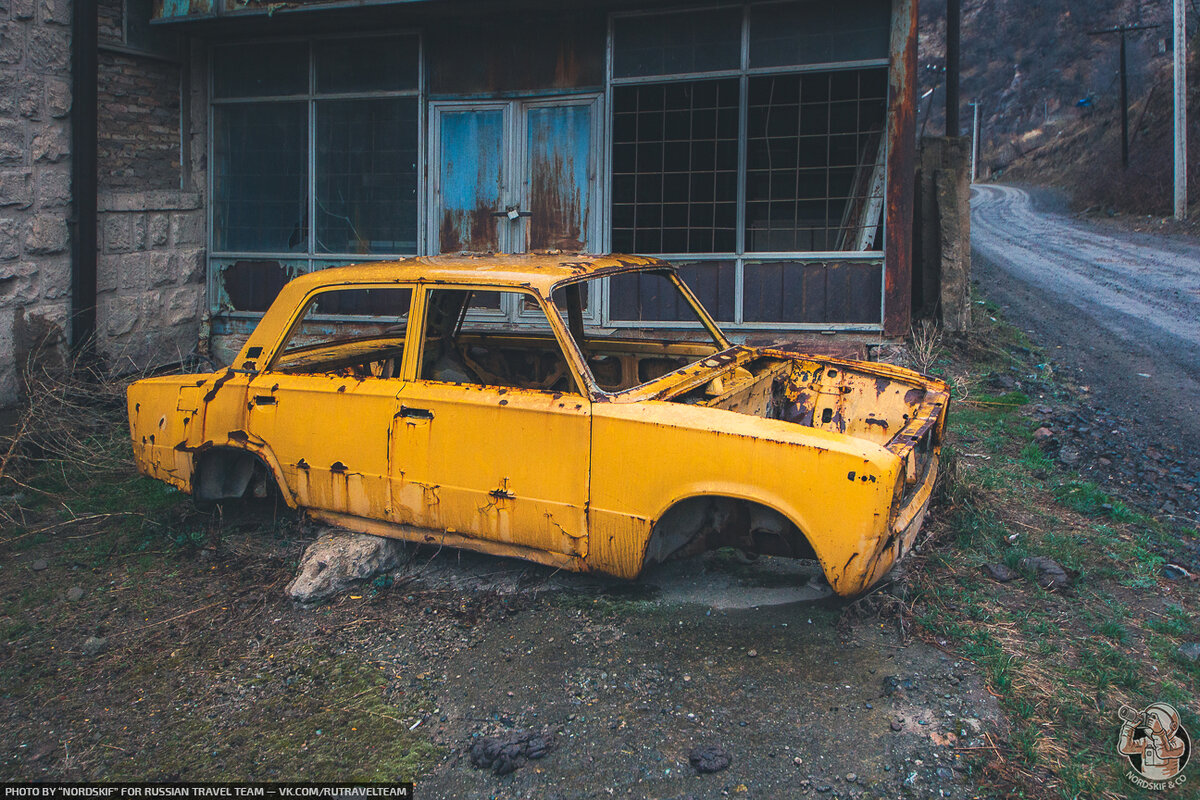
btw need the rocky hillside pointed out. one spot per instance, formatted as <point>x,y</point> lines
<point>1048,92</point>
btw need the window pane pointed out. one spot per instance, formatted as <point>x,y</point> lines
<point>782,34</point>
<point>251,284</point>
<point>713,284</point>
<point>671,44</point>
<point>260,178</point>
<point>675,161</point>
<point>647,297</point>
<point>366,65</point>
<point>333,337</point>
<point>260,69</point>
<point>814,161</point>
<point>367,176</point>
<point>813,292</point>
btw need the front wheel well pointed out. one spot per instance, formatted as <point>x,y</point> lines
<point>697,524</point>
<point>226,473</point>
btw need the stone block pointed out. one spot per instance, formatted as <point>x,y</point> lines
<point>187,229</point>
<point>52,186</point>
<point>116,314</point>
<point>118,233</point>
<point>58,97</point>
<point>134,273</point>
<point>19,284</point>
<point>16,189</point>
<point>10,239</point>
<point>21,9</point>
<point>57,12</point>
<point>51,144</point>
<point>108,271</point>
<point>12,144</point>
<point>159,230</point>
<point>55,276</point>
<point>29,97</point>
<point>192,265</point>
<point>140,232</point>
<point>184,305</point>
<point>12,42</point>
<point>49,50</point>
<point>164,268</point>
<point>46,234</point>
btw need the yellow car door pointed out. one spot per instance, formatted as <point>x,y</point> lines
<point>490,451</point>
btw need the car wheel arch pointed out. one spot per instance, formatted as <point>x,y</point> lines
<point>225,472</point>
<point>705,521</point>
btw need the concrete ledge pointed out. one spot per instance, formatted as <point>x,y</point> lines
<point>156,200</point>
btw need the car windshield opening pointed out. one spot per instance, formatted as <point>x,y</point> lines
<point>655,328</point>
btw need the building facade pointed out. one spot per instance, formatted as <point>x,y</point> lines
<point>765,147</point>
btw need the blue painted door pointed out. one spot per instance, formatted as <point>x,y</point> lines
<point>515,176</point>
<point>472,176</point>
<point>559,176</point>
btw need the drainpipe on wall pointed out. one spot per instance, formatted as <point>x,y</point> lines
<point>84,65</point>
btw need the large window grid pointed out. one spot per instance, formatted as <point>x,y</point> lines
<point>343,186</point>
<point>773,227</point>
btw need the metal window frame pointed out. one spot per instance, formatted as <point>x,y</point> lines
<point>310,98</point>
<point>741,258</point>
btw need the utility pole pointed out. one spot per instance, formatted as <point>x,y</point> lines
<point>1124,29</point>
<point>1180,58</point>
<point>953,39</point>
<point>974,137</point>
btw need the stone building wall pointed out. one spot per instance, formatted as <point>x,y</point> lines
<point>150,282</point>
<point>35,182</point>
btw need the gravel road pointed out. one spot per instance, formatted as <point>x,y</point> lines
<point>1121,312</point>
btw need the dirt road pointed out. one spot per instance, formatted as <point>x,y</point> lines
<point>1121,312</point>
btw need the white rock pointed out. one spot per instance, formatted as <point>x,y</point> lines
<point>338,559</point>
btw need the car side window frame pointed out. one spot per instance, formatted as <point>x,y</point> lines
<point>271,356</point>
<point>566,347</point>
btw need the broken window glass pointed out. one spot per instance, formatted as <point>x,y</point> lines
<point>260,177</point>
<point>367,176</point>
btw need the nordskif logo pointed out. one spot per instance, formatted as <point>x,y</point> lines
<point>1156,745</point>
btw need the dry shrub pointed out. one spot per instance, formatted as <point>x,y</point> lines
<point>71,430</point>
<point>925,346</point>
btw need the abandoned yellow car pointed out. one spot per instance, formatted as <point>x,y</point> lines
<point>401,399</point>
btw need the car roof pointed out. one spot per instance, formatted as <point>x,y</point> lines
<point>536,271</point>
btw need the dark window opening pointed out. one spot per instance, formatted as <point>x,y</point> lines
<point>675,163</point>
<point>815,161</point>
<point>367,176</point>
<point>351,332</point>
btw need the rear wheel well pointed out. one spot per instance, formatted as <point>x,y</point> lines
<point>226,473</point>
<point>709,522</point>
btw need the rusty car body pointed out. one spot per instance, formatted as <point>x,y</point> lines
<point>392,399</point>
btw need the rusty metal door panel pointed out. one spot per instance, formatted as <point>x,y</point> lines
<point>497,464</point>
<point>471,179</point>
<point>330,436</point>
<point>558,171</point>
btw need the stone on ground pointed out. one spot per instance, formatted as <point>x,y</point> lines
<point>339,559</point>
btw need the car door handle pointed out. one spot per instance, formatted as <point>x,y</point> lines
<point>416,413</point>
<point>264,400</point>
